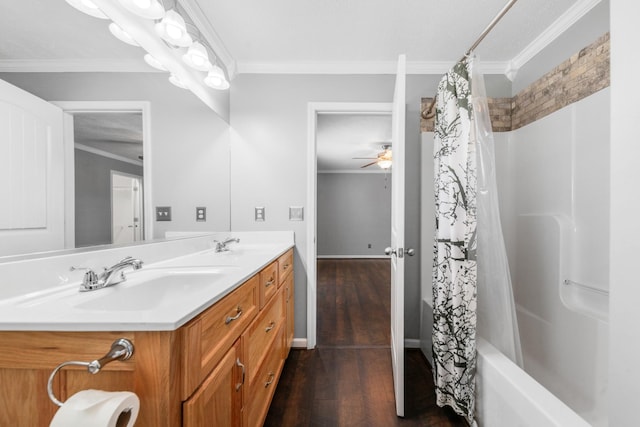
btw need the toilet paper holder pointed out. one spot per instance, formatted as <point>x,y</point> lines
<point>121,349</point>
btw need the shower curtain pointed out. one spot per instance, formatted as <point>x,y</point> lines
<point>470,269</point>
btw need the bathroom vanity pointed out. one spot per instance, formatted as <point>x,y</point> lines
<point>209,349</point>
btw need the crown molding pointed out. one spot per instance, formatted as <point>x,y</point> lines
<point>75,66</point>
<point>200,20</point>
<point>359,67</point>
<point>559,26</point>
<point>350,171</point>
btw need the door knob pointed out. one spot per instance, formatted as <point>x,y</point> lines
<point>409,252</point>
<point>389,251</point>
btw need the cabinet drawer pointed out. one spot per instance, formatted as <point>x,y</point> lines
<point>285,266</point>
<point>260,391</point>
<point>261,334</point>
<point>289,307</point>
<point>268,283</point>
<point>208,338</point>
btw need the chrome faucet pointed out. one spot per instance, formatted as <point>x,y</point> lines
<point>222,246</point>
<point>109,277</point>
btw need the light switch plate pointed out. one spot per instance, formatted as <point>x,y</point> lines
<point>201,214</point>
<point>163,213</point>
<point>296,213</point>
<point>259,213</point>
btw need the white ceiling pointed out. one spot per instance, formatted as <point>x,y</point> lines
<point>340,137</point>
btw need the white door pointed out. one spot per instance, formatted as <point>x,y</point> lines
<point>126,208</point>
<point>397,249</point>
<point>31,173</point>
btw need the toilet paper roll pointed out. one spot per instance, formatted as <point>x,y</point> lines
<point>96,408</point>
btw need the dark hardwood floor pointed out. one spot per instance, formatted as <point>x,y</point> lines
<point>347,379</point>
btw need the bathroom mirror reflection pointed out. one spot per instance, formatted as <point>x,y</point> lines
<point>51,64</point>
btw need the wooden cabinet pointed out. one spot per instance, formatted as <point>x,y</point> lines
<point>220,369</point>
<point>218,401</point>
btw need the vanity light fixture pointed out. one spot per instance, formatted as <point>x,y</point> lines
<point>88,7</point>
<point>197,57</point>
<point>177,82</point>
<point>148,9</point>
<point>152,61</point>
<point>215,79</point>
<point>173,29</point>
<point>122,35</point>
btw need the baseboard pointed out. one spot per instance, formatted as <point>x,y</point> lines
<point>411,343</point>
<point>352,256</point>
<point>299,343</point>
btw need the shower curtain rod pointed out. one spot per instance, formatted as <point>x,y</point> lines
<point>428,112</point>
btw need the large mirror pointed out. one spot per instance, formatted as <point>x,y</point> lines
<point>114,194</point>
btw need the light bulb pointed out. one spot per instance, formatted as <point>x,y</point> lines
<point>174,31</point>
<point>121,34</point>
<point>154,62</point>
<point>177,82</point>
<point>89,4</point>
<point>142,4</point>
<point>197,57</point>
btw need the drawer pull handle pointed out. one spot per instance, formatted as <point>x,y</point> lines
<point>230,319</point>
<point>285,266</point>
<point>269,283</point>
<point>239,363</point>
<point>270,379</point>
<point>270,327</point>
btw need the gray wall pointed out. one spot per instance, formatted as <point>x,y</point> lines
<point>591,26</point>
<point>189,164</point>
<point>269,160</point>
<point>353,211</point>
<point>93,196</point>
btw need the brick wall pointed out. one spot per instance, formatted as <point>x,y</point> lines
<point>583,74</point>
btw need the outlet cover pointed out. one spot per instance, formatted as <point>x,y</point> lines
<point>259,213</point>
<point>163,213</point>
<point>296,213</point>
<point>201,214</point>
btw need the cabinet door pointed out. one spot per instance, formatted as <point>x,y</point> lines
<point>218,400</point>
<point>289,289</point>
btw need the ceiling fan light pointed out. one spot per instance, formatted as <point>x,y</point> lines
<point>88,7</point>
<point>148,9</point>
<point>197,57</point>
<point>121,34</point>
<point>384,164</point>
<point>175,80</point>
<point>152,61</point>
<point>215,79</point>
<point>173,29</point>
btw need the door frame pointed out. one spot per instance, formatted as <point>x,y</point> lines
<point>71,107</point>
<point>313,110</point>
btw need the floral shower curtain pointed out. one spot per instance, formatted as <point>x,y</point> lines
<point>471,280</point>
<point>454,265</point>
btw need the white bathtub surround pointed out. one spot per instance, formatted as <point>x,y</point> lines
<point>179,279</point>
<point>507,396</point>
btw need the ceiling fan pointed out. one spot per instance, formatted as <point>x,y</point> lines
<point>383,159</point>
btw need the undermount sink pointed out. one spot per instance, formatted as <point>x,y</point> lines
<point>152,289</point>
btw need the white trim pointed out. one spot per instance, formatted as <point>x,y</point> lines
<point>299,343</point>
<point>411,343</point>
<point>352,256</point>
<point>313,109</point>
<point>559,26</point>
<point>103,153</point>
<point>75,65</point>
<point>127,106</point>
<point>209,33</point>
<point>376,171</point>
<point>359,67</point>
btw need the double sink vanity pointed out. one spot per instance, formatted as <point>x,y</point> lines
<point>211,327</point>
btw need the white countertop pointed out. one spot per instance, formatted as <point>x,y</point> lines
<point>161,296</point>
